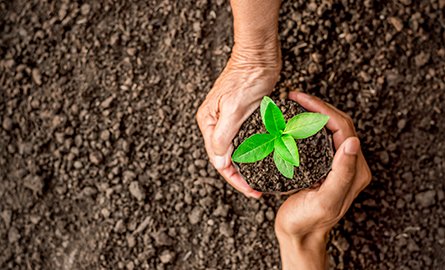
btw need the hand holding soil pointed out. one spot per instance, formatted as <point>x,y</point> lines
<point>250,74</point>
<point>233,98</point>
<point>305,219</point>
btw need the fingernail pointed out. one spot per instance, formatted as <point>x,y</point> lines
<point>254,194</point>
<point>304,96</point>
<point>352,146</point>
<point>244,187</point>
<point>219,162</point>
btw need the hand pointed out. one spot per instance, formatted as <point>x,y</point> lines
<point>305,218</point>
<point>250,74</point>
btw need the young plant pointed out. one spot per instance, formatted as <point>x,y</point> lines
<point>281,137</point>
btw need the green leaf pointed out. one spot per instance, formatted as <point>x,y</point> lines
<point>264,103</point>
<point>285,168</point>
<point>305,124</point>
<point>274,120</point>
<point>286,147</point>
<point>254,148</point>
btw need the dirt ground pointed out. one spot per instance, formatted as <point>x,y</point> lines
<point>102,165</point>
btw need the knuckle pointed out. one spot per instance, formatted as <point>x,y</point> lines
<point>348,121</point>
<point>233,109</point>
<point>367,177</point>
<point>349,172</point>
<point>198,115</point>
<point>327,210</point>
<point>344,123</point>
<point>218,139</point>
<point>200,121</point>
<point>364,181</point>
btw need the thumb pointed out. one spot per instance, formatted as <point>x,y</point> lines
<point>225,130</point>
<point>343,171</point>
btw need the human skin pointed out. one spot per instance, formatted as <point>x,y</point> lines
<point>304,220</point>
<point>251,73</point>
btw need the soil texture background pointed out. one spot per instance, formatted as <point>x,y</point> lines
<point>102,165</point>
<point>316,155</point>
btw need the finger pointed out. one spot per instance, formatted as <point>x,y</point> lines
<point>340,179</point>
<point>235,179</point>
<point>230,173</point>
<point>225,130</point>
<point>206,124</point>
<point>314,104</point>
<point>339,123</point>
<point>345,115</point>
<point>363,176</point>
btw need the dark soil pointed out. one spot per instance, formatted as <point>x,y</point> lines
<point>316,155</point>
<point>102,165</point>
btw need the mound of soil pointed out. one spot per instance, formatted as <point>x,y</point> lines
<point>316,155</point>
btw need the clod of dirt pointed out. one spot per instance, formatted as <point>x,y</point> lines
<point>397,23</point>
<point>195,215</point>
<point>225,229</point>
<point>162,239</point>
<point>36,76</point>
<point>167,256</point>
<point>137,191</point>
<point>7,123</point>
<point>96,158</point>
<point>13,235</point>
<point>426,198</point>
<point>422,58</point>
<point>34,183</point>
<point>316,155</point>
<point>6,216</point>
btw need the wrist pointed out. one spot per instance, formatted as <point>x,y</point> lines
<point>306,252</point>
<point>263,55</point>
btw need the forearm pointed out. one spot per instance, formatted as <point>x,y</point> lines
<point>308,253</point>
<point>256,33</point>
<point>255,20</point>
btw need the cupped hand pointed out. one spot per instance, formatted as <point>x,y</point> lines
<point>250,74</point>
<point>305,218</point>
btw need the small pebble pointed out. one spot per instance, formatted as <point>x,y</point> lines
<point>259,217</point>
<point>401,124</point>
<point>225,229</point>
<point>426,199</point>
<point>131,241</point>
<point>105,135</point>
<point>119,227</point>
<point>196,215</point>
<point>107,102</point>
<point>96,157</point>
<point>166,256</point>
<point>105,212</point>
<point>85,9</point>
<point>7,123</point>
<point>37,78</point>
<point>421,59</point>
<point>397,23</point>
<point>13,235</point>
<point>130,265</point>
<point>137,191</point>
<point>77,164</point>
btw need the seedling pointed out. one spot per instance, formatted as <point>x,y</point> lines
<point>281,137</point>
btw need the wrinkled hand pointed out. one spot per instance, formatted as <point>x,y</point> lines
<point>305,219</point>
<point>250,74</point>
